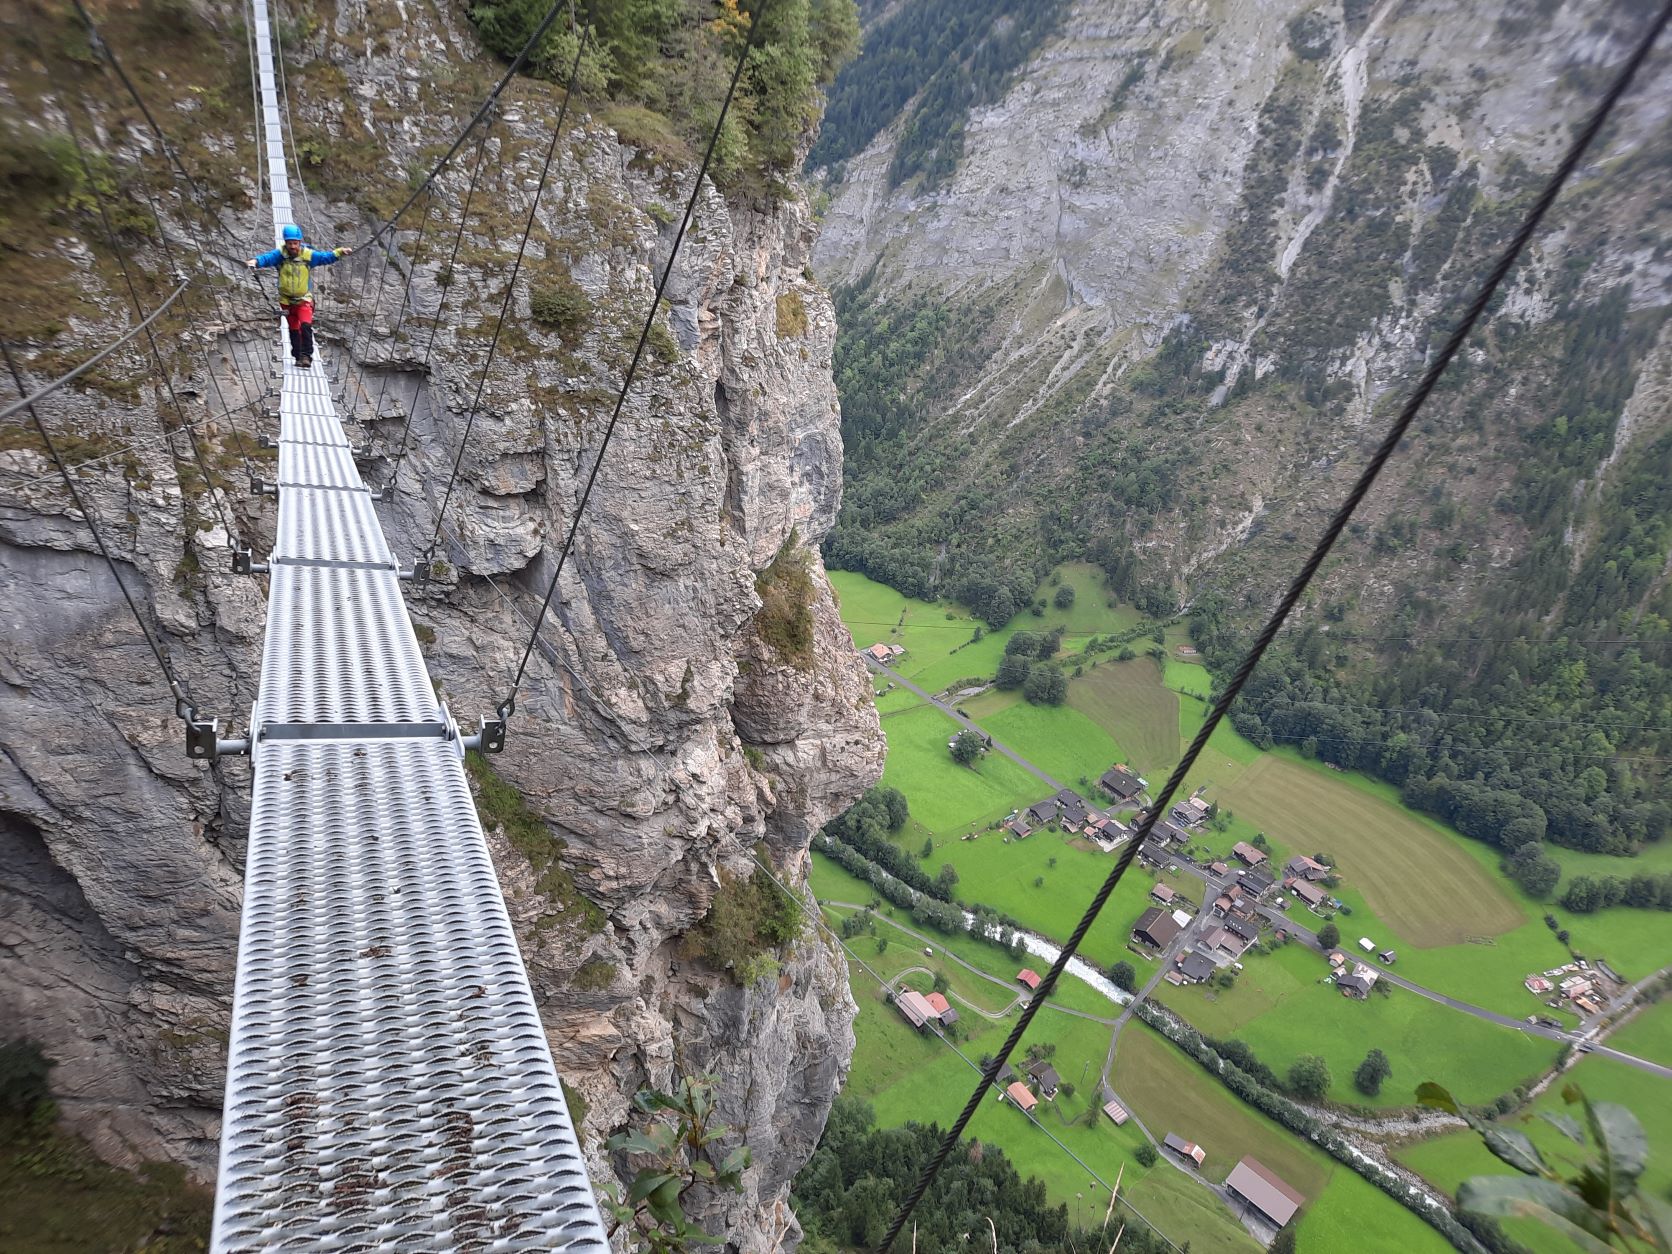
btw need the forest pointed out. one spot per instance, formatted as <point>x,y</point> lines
<point>667,64</point>
<point>852,1186</point>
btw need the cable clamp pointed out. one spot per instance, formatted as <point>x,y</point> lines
<point>260,487</point>
<point>267,441</point>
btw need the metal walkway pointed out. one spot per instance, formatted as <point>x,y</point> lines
<point>389,1085</point>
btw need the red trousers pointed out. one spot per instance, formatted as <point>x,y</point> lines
<point>299,319</point>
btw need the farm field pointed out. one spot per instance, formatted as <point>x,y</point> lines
<point>1420,882</point>
<point>1128,700</point>
<point>1649,1035</point>
<point>1281,1010</point>
<point>1018,879</point>
<point>945,798</point>
<point>1060,741</point>
<point>1170,1094</point>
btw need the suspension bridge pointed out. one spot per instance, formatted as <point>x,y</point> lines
<point>389,1084</point>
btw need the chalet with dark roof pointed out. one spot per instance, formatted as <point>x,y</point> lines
<point>1045,1078</point>
<point>1185,1149</point>
<point>1156,927</point>
<point>1196,967</point>
<point>1246,854</point>
<point>1256,882</point>
<point>1121,783</point>
<point>1303,867</point>
<point>1042,812</point>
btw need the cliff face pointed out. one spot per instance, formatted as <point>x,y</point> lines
<point>665,737</point>
<point>1288,200</point>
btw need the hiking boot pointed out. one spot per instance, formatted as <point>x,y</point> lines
<point>304,362</point>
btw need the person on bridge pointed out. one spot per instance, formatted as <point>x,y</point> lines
<point>295,262</point>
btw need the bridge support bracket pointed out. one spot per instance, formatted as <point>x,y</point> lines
<point>491,737</point>
<point>266,441</point>
<point>260,487</point>
<point>244,563</point>
<point>205,742</point>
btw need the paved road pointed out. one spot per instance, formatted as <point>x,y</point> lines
<point>963,721</point>
<point>1576,1039</point>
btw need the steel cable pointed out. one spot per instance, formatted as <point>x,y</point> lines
<point>505,707</point>
<point>505,303</point>
<point>435,323</point>
<point>1337,524</point>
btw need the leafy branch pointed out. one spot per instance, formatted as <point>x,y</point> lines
<point>1595,1203</point>
<point>673,1154</point>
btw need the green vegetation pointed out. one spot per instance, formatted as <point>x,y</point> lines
<point>499,804</point>
<point>785,618</point>
<point>860,1173</point>
<point>1606,1199</point>
<point>665,58</point>
<point>792,315</point>
<point>747,923</point>
<point>1142,715</point>
<point>558,302</point>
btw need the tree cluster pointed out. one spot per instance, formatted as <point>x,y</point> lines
<point>1586,894</point>
<point>857,1177</point>
<point>674,58</point>
<point>866,825</point>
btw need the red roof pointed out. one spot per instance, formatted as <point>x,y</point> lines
<point>1020,1094</point>
<point>1030,978</point>
<point>939,1003</point>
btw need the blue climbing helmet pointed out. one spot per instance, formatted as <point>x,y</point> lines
<point>292,232</point>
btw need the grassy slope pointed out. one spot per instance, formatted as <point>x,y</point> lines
<point>1128,700</point>
<point>1649,1035</point>
<point>945,797</point>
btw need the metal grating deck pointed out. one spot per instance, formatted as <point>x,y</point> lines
<point>389,1084</point>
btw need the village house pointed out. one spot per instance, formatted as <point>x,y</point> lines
<point>916,1009</point>
<point>1045,1078</point>
<point>1116,1112</point>
<point>942,1008</point>
<point>1366,944</point>
<point>1336,959</point>
<point>1303,867</point>
<point>1190,811</point>
<point>1223,945</point>
<point>1172,833</point>
<point>1388,956</point>
<point>1121,782</point>
<point>1309,893</point>
<point>1156,928</point>
<point>1185,1149</point>
<point>1042,812</point>
<point>1257,882</point>
<point>884,653</point>
<point>1218,868</point>
<point>1257,1186</point>
<point>1153,853</point>
<point>1018,827</point>
<point>1245,853</point>
<point>1359,983</point>
<point>1022,1096</point>
<point>1072,808</point>
<point>1229,900</point>
<point>1028,977</point>
<point>1243,929</point>
<point>1538,985</point>
<point>1196,967</point>
<point>1107,832</point>
<point>1163,894</point>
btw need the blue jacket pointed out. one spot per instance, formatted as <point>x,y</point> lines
<point>296,273</point>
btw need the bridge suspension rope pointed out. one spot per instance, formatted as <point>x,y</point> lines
<point>510,294</point>
<point>1337,524</point>
<point>507,706</point>
<point>183,705</point>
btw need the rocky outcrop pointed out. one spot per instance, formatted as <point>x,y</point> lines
<point>661,737</point>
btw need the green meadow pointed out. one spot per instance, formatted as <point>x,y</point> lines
<point>1166,1089</point>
